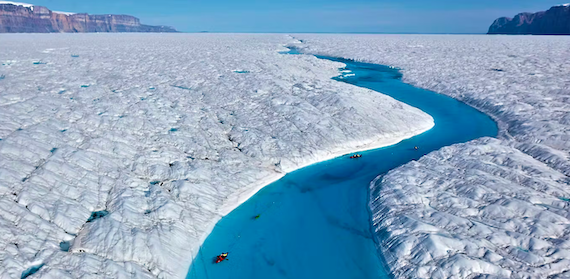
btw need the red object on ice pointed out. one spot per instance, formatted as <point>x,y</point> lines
<point>220,258</point>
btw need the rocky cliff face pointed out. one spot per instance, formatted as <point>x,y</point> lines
<point>555,21</point>
<point>15,18</point>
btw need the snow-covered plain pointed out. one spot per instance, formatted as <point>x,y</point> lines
<point>496,207</point>
<point>119,152</point>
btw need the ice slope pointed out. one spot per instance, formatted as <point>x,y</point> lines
<point>471,209</point>
<point>119,153</point>
<point>488,207</point>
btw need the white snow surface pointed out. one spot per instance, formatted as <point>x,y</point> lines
<point>474,209</point>
<point>158,130</point>
<point>31,6</point>
<point>490,207</point>
<point>64,13</point>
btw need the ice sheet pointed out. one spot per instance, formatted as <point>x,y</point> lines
<point>153,137</point>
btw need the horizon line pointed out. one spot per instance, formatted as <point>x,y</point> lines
<point>310,32</point>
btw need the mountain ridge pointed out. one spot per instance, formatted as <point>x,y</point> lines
<point>554,21</point>
<point>28,18</point>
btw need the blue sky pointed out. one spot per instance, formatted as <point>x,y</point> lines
<point>391,16</point>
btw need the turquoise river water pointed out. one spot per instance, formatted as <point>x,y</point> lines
<point>315,222</point>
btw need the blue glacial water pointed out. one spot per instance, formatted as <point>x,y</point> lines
<point>315,222</point>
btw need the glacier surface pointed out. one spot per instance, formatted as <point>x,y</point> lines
<point>120,152</point>
<point>490,207</point>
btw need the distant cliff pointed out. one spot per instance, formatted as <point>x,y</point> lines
<point>555,21</point>
<point>27,18</point>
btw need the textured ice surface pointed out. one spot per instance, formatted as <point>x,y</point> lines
<point>497,207</point>
<point>475,208</point>
<point>119,152</point>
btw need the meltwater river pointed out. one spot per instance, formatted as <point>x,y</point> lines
<point>315,222</point>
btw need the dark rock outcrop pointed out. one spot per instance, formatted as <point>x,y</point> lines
<point>555,21</point>
<point>38,19</point>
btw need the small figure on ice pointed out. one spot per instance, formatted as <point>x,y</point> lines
<point>221,257</point>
